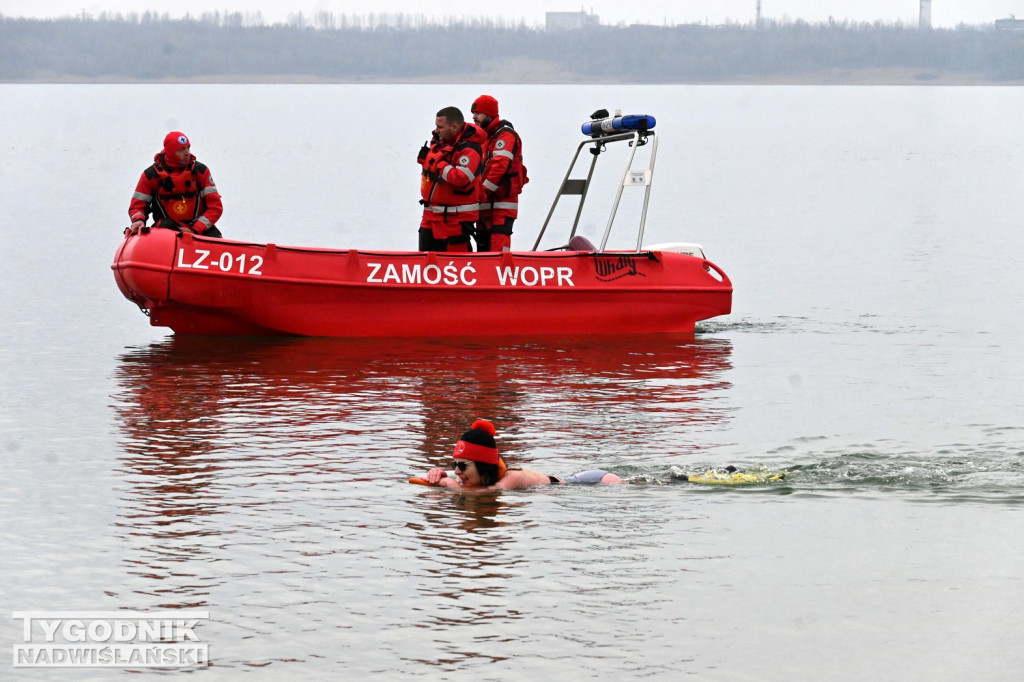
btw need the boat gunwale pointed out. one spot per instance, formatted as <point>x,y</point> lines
<point>722,284</point>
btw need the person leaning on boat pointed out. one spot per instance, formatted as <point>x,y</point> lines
<point>503,177</point>
<point>476,465</point>
<point>177,191</point>
<point>450,182</point>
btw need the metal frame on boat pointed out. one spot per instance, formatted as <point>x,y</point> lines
<point>630,178</point>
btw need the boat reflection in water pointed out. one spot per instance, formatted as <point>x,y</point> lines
<point>218,432</point>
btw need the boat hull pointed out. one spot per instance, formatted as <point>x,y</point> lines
<point>196,285</point>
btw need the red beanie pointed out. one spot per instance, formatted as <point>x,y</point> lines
<point>175,141</point>
<point>486,105</point>
<point>478,444</point>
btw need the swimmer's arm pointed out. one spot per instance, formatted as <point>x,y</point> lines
<point>455,484</point>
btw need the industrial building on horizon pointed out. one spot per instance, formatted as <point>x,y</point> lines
<point>569,21</point>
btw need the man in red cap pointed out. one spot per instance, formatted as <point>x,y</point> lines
<point>450,182</point>
<point>178,191</point>
<point>503,177</point>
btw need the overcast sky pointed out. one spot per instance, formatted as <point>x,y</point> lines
<point>945,13</point>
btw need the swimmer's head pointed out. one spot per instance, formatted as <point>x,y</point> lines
<point>478,445</point>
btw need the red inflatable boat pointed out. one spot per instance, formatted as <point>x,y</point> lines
<point>199,285</point>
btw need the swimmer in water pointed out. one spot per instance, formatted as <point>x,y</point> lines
<point>476,465</point>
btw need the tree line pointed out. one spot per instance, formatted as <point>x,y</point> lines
<point>396,47</point>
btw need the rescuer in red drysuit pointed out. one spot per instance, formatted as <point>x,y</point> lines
<point>503,177</point>
<point>178,191</point>
<point>450,182</point>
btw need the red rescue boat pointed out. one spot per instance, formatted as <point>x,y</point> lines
<point>200,285</point>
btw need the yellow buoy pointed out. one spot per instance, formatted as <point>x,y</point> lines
<point>731,476</point>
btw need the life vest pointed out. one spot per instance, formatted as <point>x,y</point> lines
<point>510,184</point>
<point>178,194</point>
<point>453,192</point>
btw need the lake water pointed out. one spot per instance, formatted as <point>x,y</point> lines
<point>874,238</point>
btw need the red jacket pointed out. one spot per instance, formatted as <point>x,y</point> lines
<point>450,182</point>
<point>504,173</point>
<point>186,196</point>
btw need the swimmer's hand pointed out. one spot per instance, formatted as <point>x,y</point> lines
<point>435,475</point>
<point>439,477</point>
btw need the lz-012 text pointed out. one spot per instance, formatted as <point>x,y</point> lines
<point>200,259</point>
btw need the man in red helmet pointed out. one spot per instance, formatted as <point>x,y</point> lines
<point>450,182</point>
<point>503,177</point>
<point>177,191</point>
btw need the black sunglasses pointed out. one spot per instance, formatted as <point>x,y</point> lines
<point>461,466</point>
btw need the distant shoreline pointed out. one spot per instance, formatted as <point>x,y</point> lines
<point>222,50</point>
<point>544,74</point>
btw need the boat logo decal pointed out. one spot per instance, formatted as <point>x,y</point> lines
<point>610,269</point>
